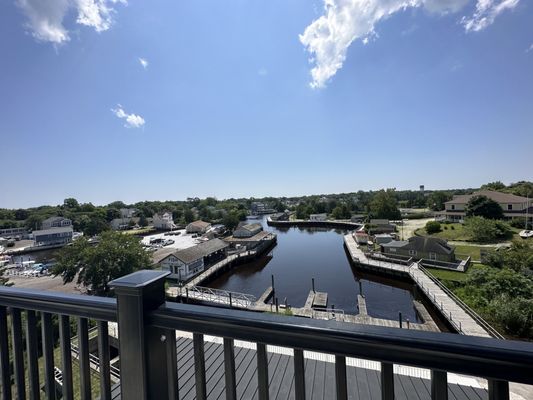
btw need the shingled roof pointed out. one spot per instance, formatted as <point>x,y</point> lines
<point>498,197</point>
<point>423,244</point>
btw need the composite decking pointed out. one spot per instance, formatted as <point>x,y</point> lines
<point>363,383</point>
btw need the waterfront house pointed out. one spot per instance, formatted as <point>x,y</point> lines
<point>421,247</point>
<point>318,217</point>
<point>198,227</point>
<point>55,222</point>
<point>163,221</point>
<point>513,206</point>
<point>127,212</point>
<point>258,208</point>
<point>247,230</point>
<point>282,216</point>
<point>13,232</point>
<point>186,263</point>
<point>383,238</point>
<point>53,236</point>
<point>119,224</point>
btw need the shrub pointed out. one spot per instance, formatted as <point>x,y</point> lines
<point>486,230</point>
<point>445,227</point>
<point>432,227</point>
<point>452,227</point>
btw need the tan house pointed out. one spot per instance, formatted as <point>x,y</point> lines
<point>513,206</point>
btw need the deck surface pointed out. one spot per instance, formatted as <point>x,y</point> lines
<point>363,383</point>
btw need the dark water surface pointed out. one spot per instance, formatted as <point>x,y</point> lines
<point>302,254</point>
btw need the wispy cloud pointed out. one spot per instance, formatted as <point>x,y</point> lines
<point>530,48</point>
<point>328,38</point>
<point>45,18</point>
<point>131,120</point>
<point>486,12</point>
<point>143,62</point>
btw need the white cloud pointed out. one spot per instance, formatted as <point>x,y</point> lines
<point>132,120</point>
<point>328,38</point>
<point>530,48</point>
<point>46,17</point>
<point>486,12</point>
<point>144,62</point>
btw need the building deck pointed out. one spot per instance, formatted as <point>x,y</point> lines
<point>363,383</point>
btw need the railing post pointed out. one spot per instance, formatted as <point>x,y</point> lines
<point>439,385</point>
<point>143,356</point>
<point>387,381</point>
<point>498,390</point>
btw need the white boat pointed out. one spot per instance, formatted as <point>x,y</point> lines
<point>525,234</point>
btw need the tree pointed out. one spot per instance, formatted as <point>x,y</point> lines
<point>436,200</point>
<point>142,220</point>
<point>21,214</point>
<point>188,215</point>
<point>231,220</point>
<point>482,206</point>
<point>384,205</point>
<point>111,214</point>
<point>95,266</point>
<point>71,203</point>
<point>498,185</point>
<point>3,280</point>
<point>341,212</point>
<point>34,222</point>
<point>432,227</point>
<point>95,226</point>
<point>486,230</point>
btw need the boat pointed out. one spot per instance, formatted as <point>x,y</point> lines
<point>525,234</point>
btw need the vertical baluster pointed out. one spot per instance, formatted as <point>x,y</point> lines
<point>5,372</point>
<point>18,353</point>
<point>104,361</point>
<point>340,378</point>
<point>229,369</point>
<point>48,355</point>
<point>262,368</point>
<point>66,356</point>
<point>299,375</point>
<point>387,381</point>
<point>32,352</point>
<point>199,366</point>
<point>439,385</point>
<point>83,354</point>
<point>498,390</point>
<point>172,364</point>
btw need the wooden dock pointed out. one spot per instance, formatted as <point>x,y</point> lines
<point>320,300</point>
<point>449,309</point>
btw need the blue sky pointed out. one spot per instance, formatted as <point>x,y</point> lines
<point>254,98</point>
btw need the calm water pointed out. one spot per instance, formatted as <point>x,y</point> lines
<point>302,254</point>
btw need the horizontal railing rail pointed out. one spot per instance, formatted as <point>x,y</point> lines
<point>485,357</point>
<point>101,308</point>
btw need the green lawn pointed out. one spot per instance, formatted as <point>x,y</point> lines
<point>464,251</point>
<point>139,231</point>
<point>453,275</point>
<point>448,232</point>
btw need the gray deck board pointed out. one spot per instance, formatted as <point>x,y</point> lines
<point>363,384</point>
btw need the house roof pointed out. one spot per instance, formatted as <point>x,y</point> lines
<point>201,250</point>
<point>200,224</point>
<point>61,229</point>
<point>53,219</point>
<point>251,227</point>
<point>423,244</point>
<point>498,197</point>
<point>255,238</point>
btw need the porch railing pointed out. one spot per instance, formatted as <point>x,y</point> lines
<point>147,345</point>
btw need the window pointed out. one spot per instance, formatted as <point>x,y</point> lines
<point>509,206</point>
<point>453,206</point>
<point>392,250</point>
<point>432,256</point>
<point>412,252</point>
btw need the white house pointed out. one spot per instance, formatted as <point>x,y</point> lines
<point>163,221</point>
<point>55,222</point>
<point>318,217</point>
<point>127,212</point>
<point>53,236</point>
<point>186,263</point>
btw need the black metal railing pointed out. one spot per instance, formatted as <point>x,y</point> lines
<point>147,328</point>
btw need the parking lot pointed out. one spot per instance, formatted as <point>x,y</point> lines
<point>181,239</point>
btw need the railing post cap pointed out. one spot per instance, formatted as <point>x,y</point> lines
<point>138,280</point>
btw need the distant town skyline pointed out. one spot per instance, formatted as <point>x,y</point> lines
<point>129,201</point>
<point>128,100</point>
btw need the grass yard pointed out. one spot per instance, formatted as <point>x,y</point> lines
<point>453,275</point>
<point>464,251</point>
<point>142,231</point>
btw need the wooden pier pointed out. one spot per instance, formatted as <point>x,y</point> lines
<point>454,313</point>
<point>320,300</point>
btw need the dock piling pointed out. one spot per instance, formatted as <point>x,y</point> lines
<point>313,284</point>
<point>400,319</point>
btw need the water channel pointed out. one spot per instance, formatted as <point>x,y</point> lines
<point>305,253</point>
